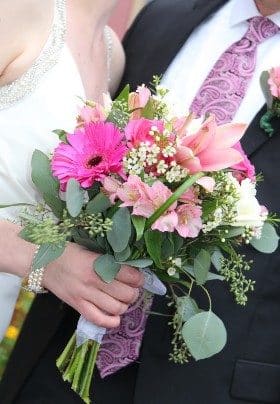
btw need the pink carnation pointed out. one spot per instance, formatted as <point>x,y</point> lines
<point>274,81</point>
<point>245,167</point>
<point>92,153</point>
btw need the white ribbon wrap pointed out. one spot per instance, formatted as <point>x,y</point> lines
<point>89,331</point>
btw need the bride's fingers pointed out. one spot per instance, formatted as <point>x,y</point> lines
<point>96,316</point>
<point>130,276</point>
<point>120,291</point>
<point>105,303</point>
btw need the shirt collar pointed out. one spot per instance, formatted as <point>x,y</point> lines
<point>242,10</point>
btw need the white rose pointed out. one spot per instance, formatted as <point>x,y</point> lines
<point>249,211</point>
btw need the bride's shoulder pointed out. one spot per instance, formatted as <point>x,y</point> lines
<point>24,26</point>
<point>117,60</point>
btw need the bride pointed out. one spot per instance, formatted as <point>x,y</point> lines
<point>52,52</point>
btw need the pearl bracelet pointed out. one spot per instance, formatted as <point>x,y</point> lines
<point>33,283</point>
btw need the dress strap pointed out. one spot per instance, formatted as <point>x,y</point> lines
<point>12,93</point>
<point>109,45</point>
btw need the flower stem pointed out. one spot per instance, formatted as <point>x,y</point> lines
<point>173,198</point>
<point>78,371</point>
<point>65,357</point>
<point>91,360</point>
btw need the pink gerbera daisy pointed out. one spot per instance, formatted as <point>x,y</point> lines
<point>92,153</point>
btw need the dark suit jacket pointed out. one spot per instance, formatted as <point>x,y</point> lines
<point>248,370</point>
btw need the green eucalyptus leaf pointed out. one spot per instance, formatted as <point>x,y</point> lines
<point>204,334</point>
<point>269,240</point>
<point>141,263</point>
<point>90,244</point>
<point>55,203</point>
<point>216,259</point>
<point>139,225</point>
<point>186,307</point>
<point>123,255</point>
<point>120,233</point>
<point>47,253</point>
<point>99,204</point>
<point>74,197</point>
<point>202,263</point>
<point>153,240</point>
<point>234,232</point>
<point>41,174</point>
<point>106,267</point>
<point>214,277</point>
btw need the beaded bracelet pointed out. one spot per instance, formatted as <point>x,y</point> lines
<point>33,283</point>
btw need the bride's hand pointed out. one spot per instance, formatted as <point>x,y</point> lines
<point>73,280</point>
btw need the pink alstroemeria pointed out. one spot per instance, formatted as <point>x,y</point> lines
<point>133,193</point>
<point>245,168</point>
<point>91,113</point>
<point>138,131</point>
<point>145,200</point>
<point>90,155</point>
<point>211,147</point>
<point>274,81</point>
<point>138,100</point>
<point>111,187</point>
<point>189,220</point>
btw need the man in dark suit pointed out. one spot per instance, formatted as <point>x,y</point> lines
<point>185,40</point>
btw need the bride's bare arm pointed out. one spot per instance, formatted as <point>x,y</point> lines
<point>72,279</point>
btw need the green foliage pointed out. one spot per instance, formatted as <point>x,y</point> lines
<point>106,267</point>
<point>123,255</point>
<point>56,204</point>
<point>186,307</point>
<point>233,271</point>
<point>141,263</point>
<point>99,204</point>
<point>205,335</point>
<point>216,259</point>
<point>118,237</point>
<point>202,263</point>
<point>46,254</point>
<point>269,240</point>
<point>153,240</point>
<point>62,135</point>
<point>139,225</point>
<point>42,177</point>
<point>74,197</point>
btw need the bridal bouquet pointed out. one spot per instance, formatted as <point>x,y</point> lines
<point>146,188</point>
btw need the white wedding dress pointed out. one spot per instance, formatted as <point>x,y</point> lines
<point>45,98</point>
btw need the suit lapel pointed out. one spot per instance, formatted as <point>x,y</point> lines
<point>255,137</point>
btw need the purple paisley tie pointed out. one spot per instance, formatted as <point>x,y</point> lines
<point>225,87</point>
<point>221,93</point>
<point>121,346</point>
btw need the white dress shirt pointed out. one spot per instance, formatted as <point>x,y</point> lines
<point>207,43</point>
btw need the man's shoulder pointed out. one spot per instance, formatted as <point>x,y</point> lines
<point>160,8</point>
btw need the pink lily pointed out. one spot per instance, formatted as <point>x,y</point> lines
<point>211,148</point>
